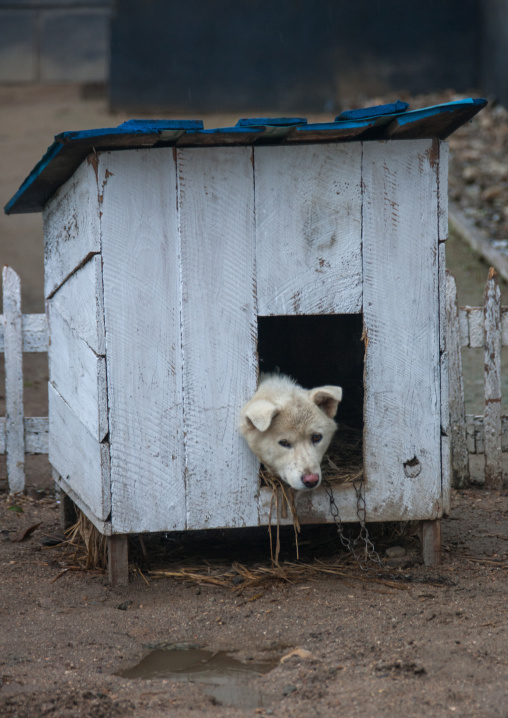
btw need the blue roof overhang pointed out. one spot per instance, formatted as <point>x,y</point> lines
<point>383,122</point>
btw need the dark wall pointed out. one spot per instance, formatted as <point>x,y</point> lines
<point>286,55</point>
<point>50,41</point>
<point>494,57</point>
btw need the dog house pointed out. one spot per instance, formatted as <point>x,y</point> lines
<point>178,260</point>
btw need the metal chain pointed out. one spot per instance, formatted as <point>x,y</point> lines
<point>370,553</point>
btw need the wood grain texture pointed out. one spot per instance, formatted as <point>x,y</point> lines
<point>13,356</point>
<point>142,320</point>
<point>219,332</point>
<point>78,374</point>
<point>118,560</point>
<point>431,542</point>
<point>492,350</point>
<point>472,332</point>
<point>36,433</point>
<point>446,472</point>
<point>308,229</point>
<point>103,526</point>
<point>79,301</point>
<point>402,446</point>
<point>476,434</point>
<point>71,226</point>
<point>442,188</point>
<point>460,458</point>
<point>34,333</point>
<point>78,457</point>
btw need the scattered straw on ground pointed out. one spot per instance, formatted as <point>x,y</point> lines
<point>86,545</point>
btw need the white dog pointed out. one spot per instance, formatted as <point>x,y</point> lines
<point>290,428</point>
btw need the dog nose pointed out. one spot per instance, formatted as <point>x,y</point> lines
<point>310,480</point>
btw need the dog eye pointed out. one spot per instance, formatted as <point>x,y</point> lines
<point>285,443</point>
<point>316,438</point>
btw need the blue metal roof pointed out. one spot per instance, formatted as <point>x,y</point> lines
<point>392,121</point>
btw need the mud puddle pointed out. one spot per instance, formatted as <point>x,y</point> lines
<point>228,680</point>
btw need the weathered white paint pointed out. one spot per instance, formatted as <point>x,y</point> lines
<point>79,301</point>
<point>78,374</point>
<point>71,226</point>
<point>401,315</point>
<point>36,434</point>
<point>460,458</point>
<point>13,351</point>
<point>79,458</point>
<point>103,526</point>
<point>446,470</point>
<point>142,319</point>
<point>442,188</point>
<point>192,245</point>
<point>219,332</point>
<point>472,332</point>
<point>34,333</point>
<point>308,229</point>
<point>492,353</point>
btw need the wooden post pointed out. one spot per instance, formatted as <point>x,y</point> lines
<point>13,340</point>
<point>460,456</point>
<point>118,560</point>
<point>492,423</point>
<point>431,542</point>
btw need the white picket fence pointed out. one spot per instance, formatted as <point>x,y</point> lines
<point>481,327</point>
<point>19,333</point>
<point>485,327</point>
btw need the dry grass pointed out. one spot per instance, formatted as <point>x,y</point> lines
<point>239,577</point>
<point>86,546</point>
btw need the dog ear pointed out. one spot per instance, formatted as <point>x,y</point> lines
<point>327,398</point>
<point>260,413</point>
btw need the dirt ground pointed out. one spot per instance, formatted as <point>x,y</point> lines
<point>416,642</point>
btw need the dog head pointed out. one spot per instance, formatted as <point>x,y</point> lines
<point>290,431</point>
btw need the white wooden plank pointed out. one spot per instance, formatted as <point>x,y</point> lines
<point>80,302</point>
<point>504,326</point>
<point>313,507</point>
<point>79,458</point>
<point>13,352</point>
<point>475,434</point>
<point>402,443</point>
<point>219,328</point>
<point>442,200</point>
<point>446,473</point>
<point>103,526</point>
<point>476,327</point>
<point>470,435</point>
<point>472,329</point>
<point>78,374</point>
<point>34,331</point>
<point>492,421</point>
<point>460,459</point>
<point>71,226</point>
<point>308,229</point>
<point>479,434</point>
<point>142,320</point>
<point>36,435</point>
<point>464,326</point>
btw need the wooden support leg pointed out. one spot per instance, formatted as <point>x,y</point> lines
<point>118,560</point>
<point>431,542</point>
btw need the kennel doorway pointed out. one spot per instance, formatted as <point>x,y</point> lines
<point>316,350</point>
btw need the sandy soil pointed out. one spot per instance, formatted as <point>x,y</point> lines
<point>434,642</point>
